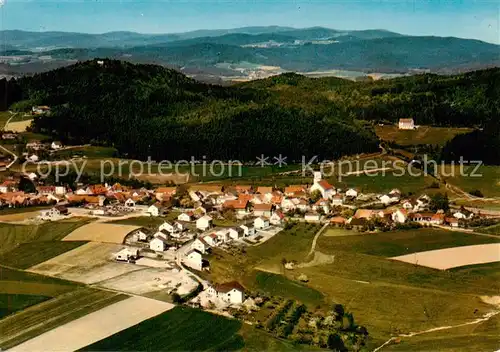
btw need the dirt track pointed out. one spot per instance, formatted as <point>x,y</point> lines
<point>96,326</point>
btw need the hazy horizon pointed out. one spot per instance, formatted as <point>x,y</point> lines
<point>464,19</point>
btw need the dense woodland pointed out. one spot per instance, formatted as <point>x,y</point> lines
<point>150,110</point>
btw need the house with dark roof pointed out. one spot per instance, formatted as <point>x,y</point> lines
<point>230,292</point>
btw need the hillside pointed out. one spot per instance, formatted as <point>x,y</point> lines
<point>147,110</point>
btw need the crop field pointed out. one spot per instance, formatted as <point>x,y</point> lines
<point>97,325</point>
<point>88,151</point>
<point>101,232</point>
<point>38,319</point>
<point>11,303</point>
<point>32,253</point>
<point>448,258</point>
<point>89,263</point>
<point>421,135</point>
<point>396,243</point>
<point>147,221</point>
<point>12,235</point>
<point>18,126</point>
<point>181,329</point>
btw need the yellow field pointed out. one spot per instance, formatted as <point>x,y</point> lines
<point>18,126</point>
<point>421,135</point>
<point>101,232</point>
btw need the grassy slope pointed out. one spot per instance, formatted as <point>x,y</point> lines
<point>386,296</point>
<point>488,183</point>
<point>13,235</point>
<point>28,254</point>
<point>181,329</point>
<point>422,135</point>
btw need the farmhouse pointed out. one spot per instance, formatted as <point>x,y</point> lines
<point>130,203</point>
<point>156,210</point>
<point>200,245</point>
<point>236,232</point>
<point>337,200</point>
<point>312,217</point>
<point>338,221</point>
<point>406,124</point>
<point>186,217</point>
<point>169,227</point>
<point>239,206</point>
<point>194,259</point>
<point>437,219</point>
<point>291,190</point>
<point>212,239</point>
<point>399,216</point>
<point>261,223</point>
<point>248,229</point>
<point>351,193</point>
<point>452,222</point>
<point>158,244</point>
<point>204,223</point>
<point>262,209</point>
<point>277,218</point>
<point>230,292</point>
<point>127,254</point>
<point>363,214</point>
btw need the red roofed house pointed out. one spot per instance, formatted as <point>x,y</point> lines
<point>8,186</point>
<point>241,207</point>
<point>406,124</point>
<point>262,210</point>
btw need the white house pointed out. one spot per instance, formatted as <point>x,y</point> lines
<point>127,254</point>
<point>142,235</point>
<point>200,245</point>
<point>326,189</point>
<point>158,244</point>
<point>386,199</point>
<point>351,193</point>
<point>155,210</point>
<point>287,204</point>
<point>301,204</point>
<point>277,218</point>
<point>130,203</point>
<point>262,209</point>
<point>261,223</point>
<point>168,226</point>
<point>236,232</point>
<point>60,190</point>
<point>248,229</point>
<point>399,216</point>
<point>32,176</point>
<point>186,217</point>
<point>312,217</point>
<point>194,259</point>
<point>56,145</point>
<point>459,215</point>
<point>406,124</point>
<point>33,158</point>
<point>337,200</point>
<point>212,239</point>
<point>223,235</point>
<point>204,223</point>
<point>230,292</point>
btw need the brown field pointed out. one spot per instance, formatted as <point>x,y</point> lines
<point>96,326</point>
<point>448,258</point>
<point>101,232</point>
<point>90,263</point>
<point>33,288</point>
<point>18,126</point>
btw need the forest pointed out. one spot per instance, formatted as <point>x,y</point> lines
<point>148,110</point>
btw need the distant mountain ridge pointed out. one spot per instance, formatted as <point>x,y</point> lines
<point>242,52</point>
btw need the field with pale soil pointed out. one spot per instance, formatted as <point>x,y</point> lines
<point>96,326</point>
<point>448,258</point>
<point>101,232</point>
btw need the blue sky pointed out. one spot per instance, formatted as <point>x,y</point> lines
<point>465,19</point>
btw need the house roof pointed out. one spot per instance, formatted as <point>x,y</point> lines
<point>243,188</point>
<point>235,204</point>
<point>202,241</point>
<point>205,217</point>
<point>264,190</point>
<point>363,213</point>
<point>263,207</point>
<point>207,188</point>
<point>438,217</point>
<point>245,197</point>
<point>338,220</point>
<point>166,190</point>
<point>325,185</point>
<point>194,251</point>
<point>228,286</point>
<point>451,220</point>
<point>295,188</point>
<point>410,120</point>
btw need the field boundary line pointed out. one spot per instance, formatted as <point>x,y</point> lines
<point>313,245</point>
